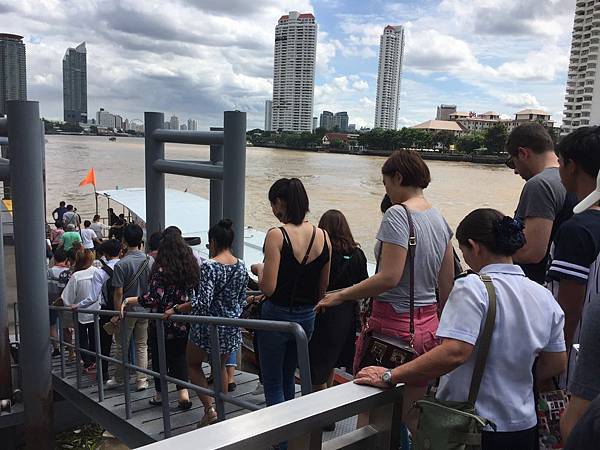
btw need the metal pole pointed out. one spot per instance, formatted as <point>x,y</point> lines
<point>30,255</point>
<point>77,347</point>
<point>5,370</point>
<point>164,387</point>
<point>215,362</point>
<point>303,358</point>
<point>234,175</point>
<point>155,180</point>
<point>216,186</point>
<point>99,376</point>
<point>61,343</point>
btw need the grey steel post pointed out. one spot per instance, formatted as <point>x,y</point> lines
<point>303,358</point>
<point>216,186</point>
<point>5,370</point>
<point>155,180</point>
<point>215,363</point>
<point>234,175</point>
<point>61,343</point>
<point>98,346</point>
<point>164,387</point>
<point>77,347</point>
<point>124,359</point>
<point>30,254</point>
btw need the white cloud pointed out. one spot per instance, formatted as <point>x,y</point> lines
<point>326,51</point>
<point>523,100</point>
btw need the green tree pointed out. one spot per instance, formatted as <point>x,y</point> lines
<point>469,142</point>
<point>337,143</point>
<point>495,138</point>
<point>445,138</point>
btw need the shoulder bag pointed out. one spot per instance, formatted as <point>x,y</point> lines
<point>450,425</point>
<point>388,351</point>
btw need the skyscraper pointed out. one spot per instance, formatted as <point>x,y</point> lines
<point>326,120</point>
<point>13,83</point>
<point>75,84</point>
<point>294,72</point>
<point>582,108</point>
<point>340,120</point>
<point>268,115</point>
<point>391,51</point>
<point>192,125</point>
<point>174,122</point>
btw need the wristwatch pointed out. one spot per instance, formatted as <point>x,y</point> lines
<point>387,378</point>
<point>176,308</point>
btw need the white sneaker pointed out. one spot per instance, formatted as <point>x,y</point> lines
<point>112,384</point>
<point>259,390</point>
<point>141,385</point>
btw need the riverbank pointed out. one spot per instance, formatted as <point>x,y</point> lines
<point>430,155</point>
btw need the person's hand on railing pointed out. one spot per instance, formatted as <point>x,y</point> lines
<point>372,376</point>
<point>73,307</point>
<point>168,313</point>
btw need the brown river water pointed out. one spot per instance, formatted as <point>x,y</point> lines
<point>350,183</point>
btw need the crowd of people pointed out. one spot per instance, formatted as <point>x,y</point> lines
<point>543,262</point>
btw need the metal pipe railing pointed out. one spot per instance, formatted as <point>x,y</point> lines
<point>213,322</point>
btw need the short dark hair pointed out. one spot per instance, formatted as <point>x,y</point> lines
<point>111,248</point>
<point>292,192</point>
<point>531,135</point>
<point>222,234</point>
<point>87,223</point>
<point>96,217</point>
<point>62,203</point>
<point>501,234</point>
<point>154,240</point>
<point>410,165</point>
<point>133,235</point>
<point>69,207</point>
<point>582,146</point>
<point>60,255</point>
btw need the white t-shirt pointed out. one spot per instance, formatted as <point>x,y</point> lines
<point>79,288</point>
<point>528,321</point>
<point>87,238</point>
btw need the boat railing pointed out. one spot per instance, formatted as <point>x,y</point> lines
<point>300,422</point>
<point>212,322</point>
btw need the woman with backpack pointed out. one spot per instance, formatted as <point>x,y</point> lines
<point>332,342</point>
<point>173,282</point>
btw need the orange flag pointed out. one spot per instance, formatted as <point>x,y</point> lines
<point>90,178</point>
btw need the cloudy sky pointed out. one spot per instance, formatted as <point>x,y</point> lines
<point>196,58</point>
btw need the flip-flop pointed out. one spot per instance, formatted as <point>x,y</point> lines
<point>184,405</point>
<point>155,402</point>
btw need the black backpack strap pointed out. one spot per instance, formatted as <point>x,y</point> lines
<point>486,339</point>
<point>109,271</point>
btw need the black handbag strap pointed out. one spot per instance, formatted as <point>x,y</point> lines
<point>486,339</point>
<point>137,275</point>
<point>412,244</point>
<point>303,263</point>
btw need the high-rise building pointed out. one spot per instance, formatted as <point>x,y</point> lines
<point>75,84</point>
<point>582,108</point>
<point>315,123</point>
<point>391,51</point>
<point>118,121</point>
<point>444,111</point>
<point>294,72</point>
<point>183,127</point>
<point>326,120</point>
<point>167,125</point>
<point>13,83</point>
<point>340,120</point>
<point>174,122</point>
<point>192,125</point>
<point>105,119</point>
<point>126,125</point>
<point>268,115</point>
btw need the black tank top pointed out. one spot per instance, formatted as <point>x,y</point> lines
<point>306,277</point>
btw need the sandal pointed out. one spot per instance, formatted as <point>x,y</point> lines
<point>210,417</point>
<point>185,404</point>
<point>155,402</point>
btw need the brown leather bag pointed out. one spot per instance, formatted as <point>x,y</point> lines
<point>389,351</point>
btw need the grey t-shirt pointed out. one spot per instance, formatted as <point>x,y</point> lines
<point>585,382</point>
<point>433,235</point>
<point>125,270</point>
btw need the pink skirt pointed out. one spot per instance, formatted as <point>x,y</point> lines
<point>385,320</point>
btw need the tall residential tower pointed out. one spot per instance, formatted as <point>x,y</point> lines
<point>581,108</point>
<point>268,115</point>
<point>75,84</point>
<point>294,72</point>
<point>13,83</point>
<point>391,51</point>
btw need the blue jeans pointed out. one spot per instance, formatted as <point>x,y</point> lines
<point>277,351</point>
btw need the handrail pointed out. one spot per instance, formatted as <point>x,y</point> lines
<point>300,422</point>
<point>213,322</point>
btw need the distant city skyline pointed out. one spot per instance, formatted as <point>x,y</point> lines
<point>493,55</point>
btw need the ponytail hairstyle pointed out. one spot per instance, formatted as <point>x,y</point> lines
<point>500,234</point>
<point>291,191</point>
<point>222,235</point>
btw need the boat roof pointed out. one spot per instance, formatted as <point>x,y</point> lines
<point>190,213</point>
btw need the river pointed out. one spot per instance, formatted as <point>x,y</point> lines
<point>350,183</point>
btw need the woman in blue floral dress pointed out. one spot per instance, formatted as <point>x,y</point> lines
<point>222,293</point>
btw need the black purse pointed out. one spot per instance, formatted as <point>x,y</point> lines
<point>389,351</point>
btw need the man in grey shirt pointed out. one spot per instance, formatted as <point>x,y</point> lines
<point>544,203</point>
<point>130,279</point>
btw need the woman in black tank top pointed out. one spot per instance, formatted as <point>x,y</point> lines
<point>294,277</point>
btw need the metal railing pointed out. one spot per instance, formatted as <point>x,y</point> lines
<point>300,422</point>
<point>212,322</point>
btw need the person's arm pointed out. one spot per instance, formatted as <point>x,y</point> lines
<point>267,273</point>
<point>444,358</point>
<point>324,278</point>
<point>571,294</point>
<point>575,410</point>
<point>537,234</point>
<point>94,296</point>
<point>391,268</point>
<point>446,276</point>
<point>55,214</point>
<point>550,365</point>
<point>68,293</point>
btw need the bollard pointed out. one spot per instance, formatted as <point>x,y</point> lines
<point>155,180</point>
<point>216,186</point>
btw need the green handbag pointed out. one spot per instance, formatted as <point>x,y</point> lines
<point>448,425</point>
